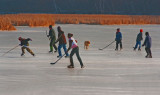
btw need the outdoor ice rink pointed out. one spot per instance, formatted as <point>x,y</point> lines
<point>106,72</point>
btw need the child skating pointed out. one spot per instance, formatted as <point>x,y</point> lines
<point>75,50</point>
<point>138,40</point>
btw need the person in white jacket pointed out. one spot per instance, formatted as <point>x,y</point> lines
<point>75,49</point>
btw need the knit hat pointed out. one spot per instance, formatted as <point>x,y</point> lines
<point>141,30</point>
<point>70,35</point>
<point>20,38</point>
<point>50,26</point>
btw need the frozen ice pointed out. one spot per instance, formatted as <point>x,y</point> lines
<point>106,72</point>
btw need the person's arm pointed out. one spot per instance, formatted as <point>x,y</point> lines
<point>121,36</point>
<point>29,39</point>
<point>145,42</point>
<point>70,45</point>
<point>58,38</point>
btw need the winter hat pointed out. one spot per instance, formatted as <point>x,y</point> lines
<point>20,38</point>
<point>70,35</point>
<point>50,26</point>
<point>118,29</point>
<point>141,30</point>
<point>147,33</point>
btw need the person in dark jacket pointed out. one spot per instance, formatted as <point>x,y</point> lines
<point>118,39</point>
<point>148,43</point>
<point>52,37</point>
<point>62,42</point>
<point>138,40</point>
<point>75,50</point>
<point>25,45</point>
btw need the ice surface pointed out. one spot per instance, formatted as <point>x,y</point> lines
<point>106,72</point>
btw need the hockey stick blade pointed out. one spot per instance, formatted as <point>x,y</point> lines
<point>52,63</point>
<point>100,49</point>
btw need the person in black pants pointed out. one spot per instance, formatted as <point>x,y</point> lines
<point>118,39</point>
<point>75,50</point>
<point>148,43</point>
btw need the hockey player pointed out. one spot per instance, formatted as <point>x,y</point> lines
<point>75,50</point>
<point>138,40</point>
<point>52,37</point>
<point>148,43</point>
<point>118,39</point>
<point>25,45</point>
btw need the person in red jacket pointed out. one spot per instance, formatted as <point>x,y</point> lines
<point>75,50</point>
<point>62,42</point>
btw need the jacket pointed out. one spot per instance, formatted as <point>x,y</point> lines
<point>61,38</point>
<point>52,34</point>
<point>148,42</point>
<point>118,36</point>
<point>139,37</point>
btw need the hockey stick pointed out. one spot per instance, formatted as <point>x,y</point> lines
<point>106,46</point>
<point>10,50</point>
<point>46,34</point>
<point>57,60</point>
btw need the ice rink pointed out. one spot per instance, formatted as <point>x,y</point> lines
<point>106,72</point>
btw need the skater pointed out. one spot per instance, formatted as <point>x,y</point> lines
<point>62,42</point>
<point>52,37</point>
<point>25,45</point>
<point>118,39</point>
<point>75,49</point>
<point>138,40</point>
<point>148,43</point>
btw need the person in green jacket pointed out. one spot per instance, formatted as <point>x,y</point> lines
<point>52,37</point>
<point>25,45</point>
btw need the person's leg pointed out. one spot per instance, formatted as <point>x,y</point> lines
<point>51,45</point>
<point>55,47</point>
<point>65,49</point>
<point>78,56</point>
<point>23,51</point>
<point>116,45</point>
<point>136,45</point>
<point>71,57</point>
<point>150,53</point>
<point>147,52</point>
<point>30,51</point>
<point>59,50</point>
<point>139,43</point>
<point>120,45</point>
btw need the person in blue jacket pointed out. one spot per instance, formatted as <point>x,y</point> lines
<point>138,40</point>
<point>148,43</point>
<point>118,39</point>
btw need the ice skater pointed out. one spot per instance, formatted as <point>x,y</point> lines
<point>25,45</point>
<point>75,50</point>
<point>62,42</point>
<point>138,40</point>
<point>148,43</point>
<point>118,39</point>
<point>52,37</point>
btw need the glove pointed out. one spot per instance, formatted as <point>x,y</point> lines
<point>20,45</point>
<point>142,45</point>
<point>47,35</point>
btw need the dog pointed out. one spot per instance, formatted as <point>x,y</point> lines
<point>86,45</point>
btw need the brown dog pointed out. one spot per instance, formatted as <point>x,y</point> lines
<point>86,44</point>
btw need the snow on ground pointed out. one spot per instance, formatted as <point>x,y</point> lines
<point>106,72</point>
